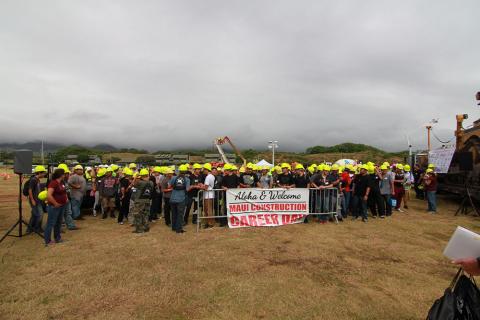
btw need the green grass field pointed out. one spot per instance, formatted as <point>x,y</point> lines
<point>386,269</point>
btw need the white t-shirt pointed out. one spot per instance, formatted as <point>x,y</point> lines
<point>210,183</point>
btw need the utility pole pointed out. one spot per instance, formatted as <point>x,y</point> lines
<point>273,145</point>
<point>41,153</point>
<point>429,128</point>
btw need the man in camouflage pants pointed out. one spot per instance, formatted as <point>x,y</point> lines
<point>142,200</point>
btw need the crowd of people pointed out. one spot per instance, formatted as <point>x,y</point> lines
<point>139,196</point>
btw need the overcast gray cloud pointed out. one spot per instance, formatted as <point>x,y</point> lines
<point>175,74</point>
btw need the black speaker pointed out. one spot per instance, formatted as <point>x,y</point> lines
<point>23,162</point>
<point>465,161</point>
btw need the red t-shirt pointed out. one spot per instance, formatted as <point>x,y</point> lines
<point>432,186</point>
<point>346,180</point>
<point>59,192</point>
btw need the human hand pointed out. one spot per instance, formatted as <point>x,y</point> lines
<point>470,265</point>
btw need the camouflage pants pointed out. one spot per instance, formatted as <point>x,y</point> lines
<point>141,211</point>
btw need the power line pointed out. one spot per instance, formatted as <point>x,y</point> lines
<point>444,142</point>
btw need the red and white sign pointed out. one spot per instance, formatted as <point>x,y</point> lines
<point>266,207</point>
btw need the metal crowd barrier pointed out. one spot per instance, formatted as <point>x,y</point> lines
<point>322,202</point>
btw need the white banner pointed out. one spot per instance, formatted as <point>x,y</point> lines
<point>266,207</point>
<point>441,158</point>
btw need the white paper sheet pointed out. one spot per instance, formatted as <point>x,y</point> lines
<point>463,244</point>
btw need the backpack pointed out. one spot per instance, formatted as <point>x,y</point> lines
<point>26,187</point>
<point>180,183</point>
<point>146,191</point>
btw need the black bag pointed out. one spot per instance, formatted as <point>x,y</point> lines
<point>461,301</point>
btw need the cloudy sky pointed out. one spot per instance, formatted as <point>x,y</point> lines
<point>176,74</point>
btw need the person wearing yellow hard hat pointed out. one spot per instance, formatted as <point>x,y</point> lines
<point>300,179</point>
<point>285,179</point>
<point>156,207</point>
<point>125,194</point>
<point>166,194</point>
<point>230,181</point>
<point>265,180</point>
<point>180,185</point>
<point>361,189</point>
<point>142,200</point>
<point>375,200</point>
<point>78,187</point>
<point>32,189</point>
<point>209,195</point>
<point>107,187</point>
<point>398,186</point>
<point>56,202</point>
<point>409,180</point>
<point>196,183</point>
<point>132,166</point>
<point>68,212</point>
<point>249,179</point>
<point>387,188</point>
<point>430,186</point>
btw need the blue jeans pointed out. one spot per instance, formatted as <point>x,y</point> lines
<point>35,223</point>
<point>68,216</point>
<point>178,209</point>
<point>54,222</point>
<point>359,207</point>
<point>346,202</point>
<point>75,207</point>
<point>388,204</point>
<point>432,200</point>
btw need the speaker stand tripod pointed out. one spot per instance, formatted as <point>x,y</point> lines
<point>20,222</point>
<point>466,203</point>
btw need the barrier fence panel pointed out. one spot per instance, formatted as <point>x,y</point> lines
<point>265,207</point>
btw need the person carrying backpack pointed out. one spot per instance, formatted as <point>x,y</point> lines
<point>142,199</point>
<point>31,189</point>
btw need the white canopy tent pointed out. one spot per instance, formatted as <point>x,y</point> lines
<point>263,162</point>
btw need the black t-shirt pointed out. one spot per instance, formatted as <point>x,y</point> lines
<point>218,182</point>
<point>319,180</point>
<point>194,180</point>
<point>361,183</point>
<point>375,182</point>
<point>285,179</point>
<point>124,183</point>
<point>331,178</point>
<point>250,179</point>
<point>231,181</point>
<point>301,181</point>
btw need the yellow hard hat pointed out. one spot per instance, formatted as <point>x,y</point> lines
<point>183,168</point>
<point>109,169</point>
<point>266,168</point>
<point>406,168</point>
<point>250,165</point>
<point>364,166</point>
<point>311,169</point>
<point>326,167</point>
<point>335,167</point>
<point>320,167</point>
<point>429,170</point>
<point>386,163</point>
<point>299,167</point>
<point>227,166</point>
<point>64,167</point>
<point>400,166</point>
<point>207,166</point>
<point>431,166</point>
<point>384,167</point>
<point>42,196</point>
<point>101,172</point>
<point>128,172</point>
<point>114,167</point>
<point>234,168</point>
<point>168,171</point>
<point>39,169</point>
<point>132,166</point>
<point>144,172</point>
<point>77,167</point>
<point>157,169</point>
<point>197,166</point>
<point>285,165</point>
<point>242,169</point>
